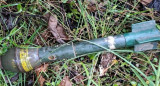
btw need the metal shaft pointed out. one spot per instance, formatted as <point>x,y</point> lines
<point>144,36</point>
<point>77,49</point>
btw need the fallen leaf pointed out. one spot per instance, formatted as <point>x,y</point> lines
<point>39,39</point>
<point>66,82</point>
<point>56,68</point>
<point>46,16</point>
<point>92,7</point>
<point>106,60</point>
<point>79,79</point>
<point>57,30</point>
<point>42,68</point>
<point>116,19</point>
<point>145,2</point>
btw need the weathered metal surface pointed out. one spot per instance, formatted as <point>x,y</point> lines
<point>146,46</point>
<point>133,37</point>
<point>143,26</point>
<point>20,60</point>
<point>142,33</point>
<point>27,59</point>
<point>145,36</point>
<point>8,61</point>
<point>77,49</point>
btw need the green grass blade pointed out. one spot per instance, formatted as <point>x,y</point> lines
<point>13,31</point>
<point>9,5</point>
<point>155,71</point>
<point>139,77</point>
<point>94,83</point>
<point>158,75</point>
<point>9,81</point>
<point>124,60</point>
<point>87,73</point>
<point>3,76</point>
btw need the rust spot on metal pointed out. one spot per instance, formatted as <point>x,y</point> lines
<point>52,58</point>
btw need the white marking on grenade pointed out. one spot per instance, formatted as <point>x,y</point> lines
<point>111,42</point>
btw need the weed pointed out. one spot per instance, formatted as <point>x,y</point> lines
<point>83,20</point>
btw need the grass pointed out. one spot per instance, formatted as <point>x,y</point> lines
<point>113,18</point>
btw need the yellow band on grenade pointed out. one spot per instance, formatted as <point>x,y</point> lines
<point>25,60</point>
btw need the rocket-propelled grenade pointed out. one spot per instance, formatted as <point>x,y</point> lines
<point>144,36</point>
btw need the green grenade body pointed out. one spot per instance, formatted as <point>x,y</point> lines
<point>144,36</point>
<point>20,60</point>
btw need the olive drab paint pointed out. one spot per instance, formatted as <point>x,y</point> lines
<point>20,60</point>
<point>144,36</point>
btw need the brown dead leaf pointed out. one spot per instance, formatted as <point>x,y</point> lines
<point>46,16</point>
<point>66,82</point>
<point>42,68</point>
<point>57,30</point>
<point>92,7</point>
<point>106,60</point>
<point>39,39</point>
<point>79,79</point>
<point>145,2</point>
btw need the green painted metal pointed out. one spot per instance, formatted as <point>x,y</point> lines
<point>77,49</point>
<point>12,61</point>
<point>142,33</point>
<point>144,36</point>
